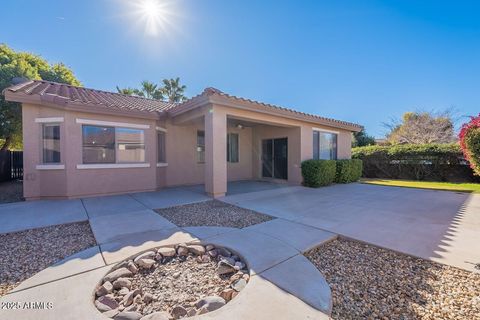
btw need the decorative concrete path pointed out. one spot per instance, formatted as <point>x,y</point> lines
<point>437,225</point>
<point>284,284</point>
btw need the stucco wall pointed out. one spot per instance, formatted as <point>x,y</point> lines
<point>243,169</point>
<point>181,155</point>
<point>81,182</point>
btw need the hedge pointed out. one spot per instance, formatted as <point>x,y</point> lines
<point>433,162</point>
<point>349,170</point>
<point>317,173</point>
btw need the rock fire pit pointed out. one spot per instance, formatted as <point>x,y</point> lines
<point>171,283</point>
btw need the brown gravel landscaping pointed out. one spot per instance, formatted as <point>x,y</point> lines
<point>368,282</point>
<point>22,254</point>
<point>212,213</point>
<point>171,283</point>
<point>11,191</point>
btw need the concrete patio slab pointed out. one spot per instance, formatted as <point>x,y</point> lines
<point>111,227</point>
<point>306,283</point>
<point>130,244</point>
<point>259,250</point>
<point>263,300</point>
<point>108,205</point>
<point>208,232</point>
<point>429,224</point>
<point>248,186</point>
<point>169,197</point>
<point>86,260</point>
<point>70,298</point>
<point>301,237</point>
<point>36,214</point>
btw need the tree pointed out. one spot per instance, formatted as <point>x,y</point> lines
<point>30,66</point>
<point>422,128</point>
<point>173,90</point>
<point>130,91</point>
<point>362,139</point>
<point>470,143</point>
<point>170,91</point>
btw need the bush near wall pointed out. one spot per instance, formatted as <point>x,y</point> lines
<point>317,173</point>
<point>431,162</point>
<point>348,170</point>
<point>470,143</point>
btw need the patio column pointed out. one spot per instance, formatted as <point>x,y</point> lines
<point>215,152</point>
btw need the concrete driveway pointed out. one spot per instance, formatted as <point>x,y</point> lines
<point>437,225</point>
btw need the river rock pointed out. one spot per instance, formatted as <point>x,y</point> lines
<point>119,273</point>
<point>104,289</point>
<point>210,303</point>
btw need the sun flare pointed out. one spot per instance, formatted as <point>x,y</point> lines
<point>153,14</point>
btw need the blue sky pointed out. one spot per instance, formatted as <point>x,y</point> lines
<point>361,61</point>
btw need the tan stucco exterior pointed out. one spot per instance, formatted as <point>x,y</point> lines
<point>215,118</point>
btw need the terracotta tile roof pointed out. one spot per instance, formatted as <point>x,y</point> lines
<point>71,94</point>
<point>323,120</point>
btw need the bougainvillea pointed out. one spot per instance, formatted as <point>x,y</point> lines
<point>470,143</point>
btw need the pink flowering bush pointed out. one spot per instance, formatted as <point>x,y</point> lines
<point>470,143</point>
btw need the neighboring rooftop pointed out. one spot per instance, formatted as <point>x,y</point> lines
<point>48,91</point>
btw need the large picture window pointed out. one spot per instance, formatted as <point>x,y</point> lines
<point>51,143</point>
<point>232,147</point>
<point>103,144</point>
<point>324,145</point>
<point>200,146</point>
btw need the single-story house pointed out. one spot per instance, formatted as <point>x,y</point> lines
<point>81,142</point>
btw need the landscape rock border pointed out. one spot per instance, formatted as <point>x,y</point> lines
<point>115,297</point>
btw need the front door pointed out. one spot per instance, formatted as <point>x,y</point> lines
<point>275,158</point>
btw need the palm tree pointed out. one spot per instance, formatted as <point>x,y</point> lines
<point>173,91</point>
<point>129,91</point>
<point>149,89</point>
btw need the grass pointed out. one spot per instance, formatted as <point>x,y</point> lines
<point>446,186</point>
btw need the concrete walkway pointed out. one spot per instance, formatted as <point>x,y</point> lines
<point>441,226</point>
<point>438,225</point>
<point>284,284</point>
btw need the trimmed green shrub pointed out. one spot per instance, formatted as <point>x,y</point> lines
<point>431,162</point>
<point>317,173</point>
<point>348,170</point>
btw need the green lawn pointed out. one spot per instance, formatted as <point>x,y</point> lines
<point>448,186</point>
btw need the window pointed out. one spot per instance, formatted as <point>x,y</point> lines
<point>112,145</point>
<point>232,147</point>
<point>130,145</point>
<point>161,147</point>
<point>51,143</point>
<point>324,145</point>
<point>200,146</point>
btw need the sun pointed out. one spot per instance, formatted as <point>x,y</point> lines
<point>151,9</point>
<point>153,14</point>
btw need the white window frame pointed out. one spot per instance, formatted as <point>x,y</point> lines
<point>326,131</point>
<point>112,124</point>
<point>229,155</point>
<point>165,163</point>
<point>49,165</point>
<point>115,125</point>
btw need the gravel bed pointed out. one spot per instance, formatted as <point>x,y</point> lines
<point>11,191</point>
<point>22,254</point>
<point>171,283</point>
<point>212,213</point>
<point>369,282</point>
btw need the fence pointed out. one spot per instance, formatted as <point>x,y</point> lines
<point>11,165</point>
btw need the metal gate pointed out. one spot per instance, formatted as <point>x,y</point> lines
<point>11,165</point>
